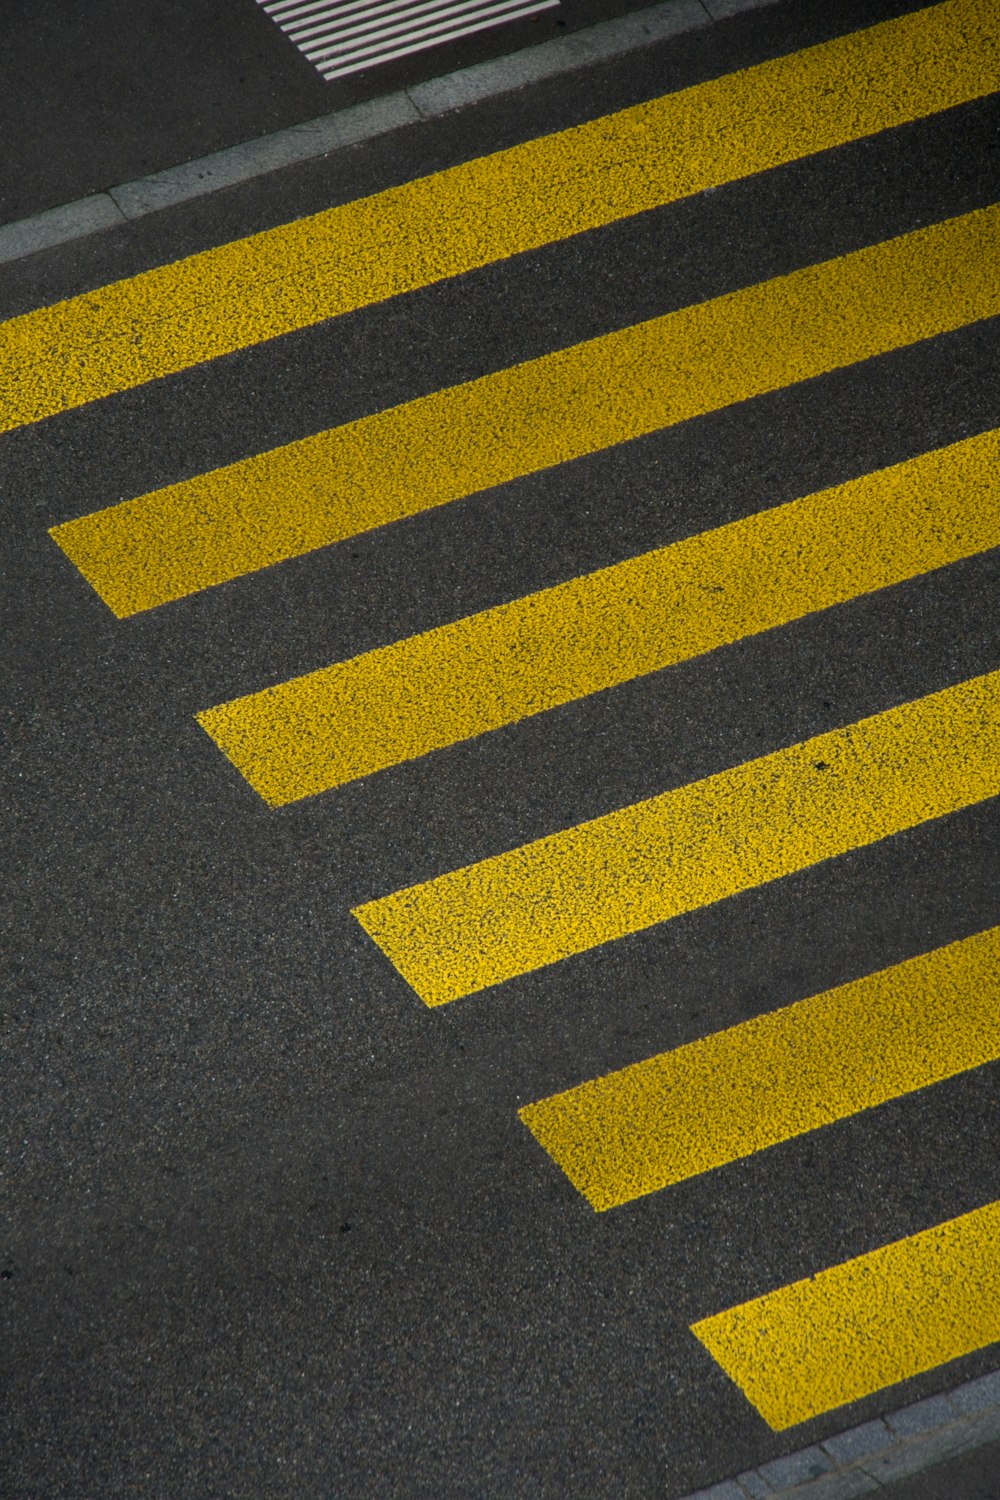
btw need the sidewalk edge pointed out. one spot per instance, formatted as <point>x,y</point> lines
<point>866,1460</point>
<point>318,138</point>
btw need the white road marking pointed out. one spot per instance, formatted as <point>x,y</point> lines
<point>342,38</point>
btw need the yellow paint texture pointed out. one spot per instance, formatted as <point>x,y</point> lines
<point>767,1080</point>
<point>466,678</point>
<point>700,843</point>
<point>859,1327</point>
<point>236,295</point>
<point>446,445</point>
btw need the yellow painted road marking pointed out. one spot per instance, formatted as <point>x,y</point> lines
<point>767,1080</point>
<point>463,679</point>
<point>453,442</point>
<point>236,295</point>
<point>864,1325</point>
<point>700,843</point>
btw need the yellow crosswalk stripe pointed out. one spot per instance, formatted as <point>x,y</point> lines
<point>446,445</point>
<point>700,843</point>
<point>888,1315</point>
<point>764,1081</point>
<point>466,678</point>
<point>239,294</point>
<point>866,1324</point>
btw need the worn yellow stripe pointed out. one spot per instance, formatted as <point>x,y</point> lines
<point>767,1080</point>
<point>253,289</point>
<point>463,679</point>
<point>866,1324</point>
<point>441,447</point>
<point>643,864</point>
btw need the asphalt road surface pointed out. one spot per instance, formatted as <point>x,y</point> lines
<point>299,1202</point>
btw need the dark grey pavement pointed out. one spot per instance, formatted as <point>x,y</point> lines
<point>974,1476</point>
<point>272,1227</point>
<point>102,92</point>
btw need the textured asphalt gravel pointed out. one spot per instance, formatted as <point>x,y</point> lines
<point>274,1228</point>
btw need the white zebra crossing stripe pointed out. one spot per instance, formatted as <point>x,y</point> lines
<point>343,39</point>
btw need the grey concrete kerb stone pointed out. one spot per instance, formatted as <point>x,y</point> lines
<point>317,138</point>
<point>864,1460</point>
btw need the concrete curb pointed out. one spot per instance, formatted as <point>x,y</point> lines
<point>317,138</point>
<point>867,1459</point>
